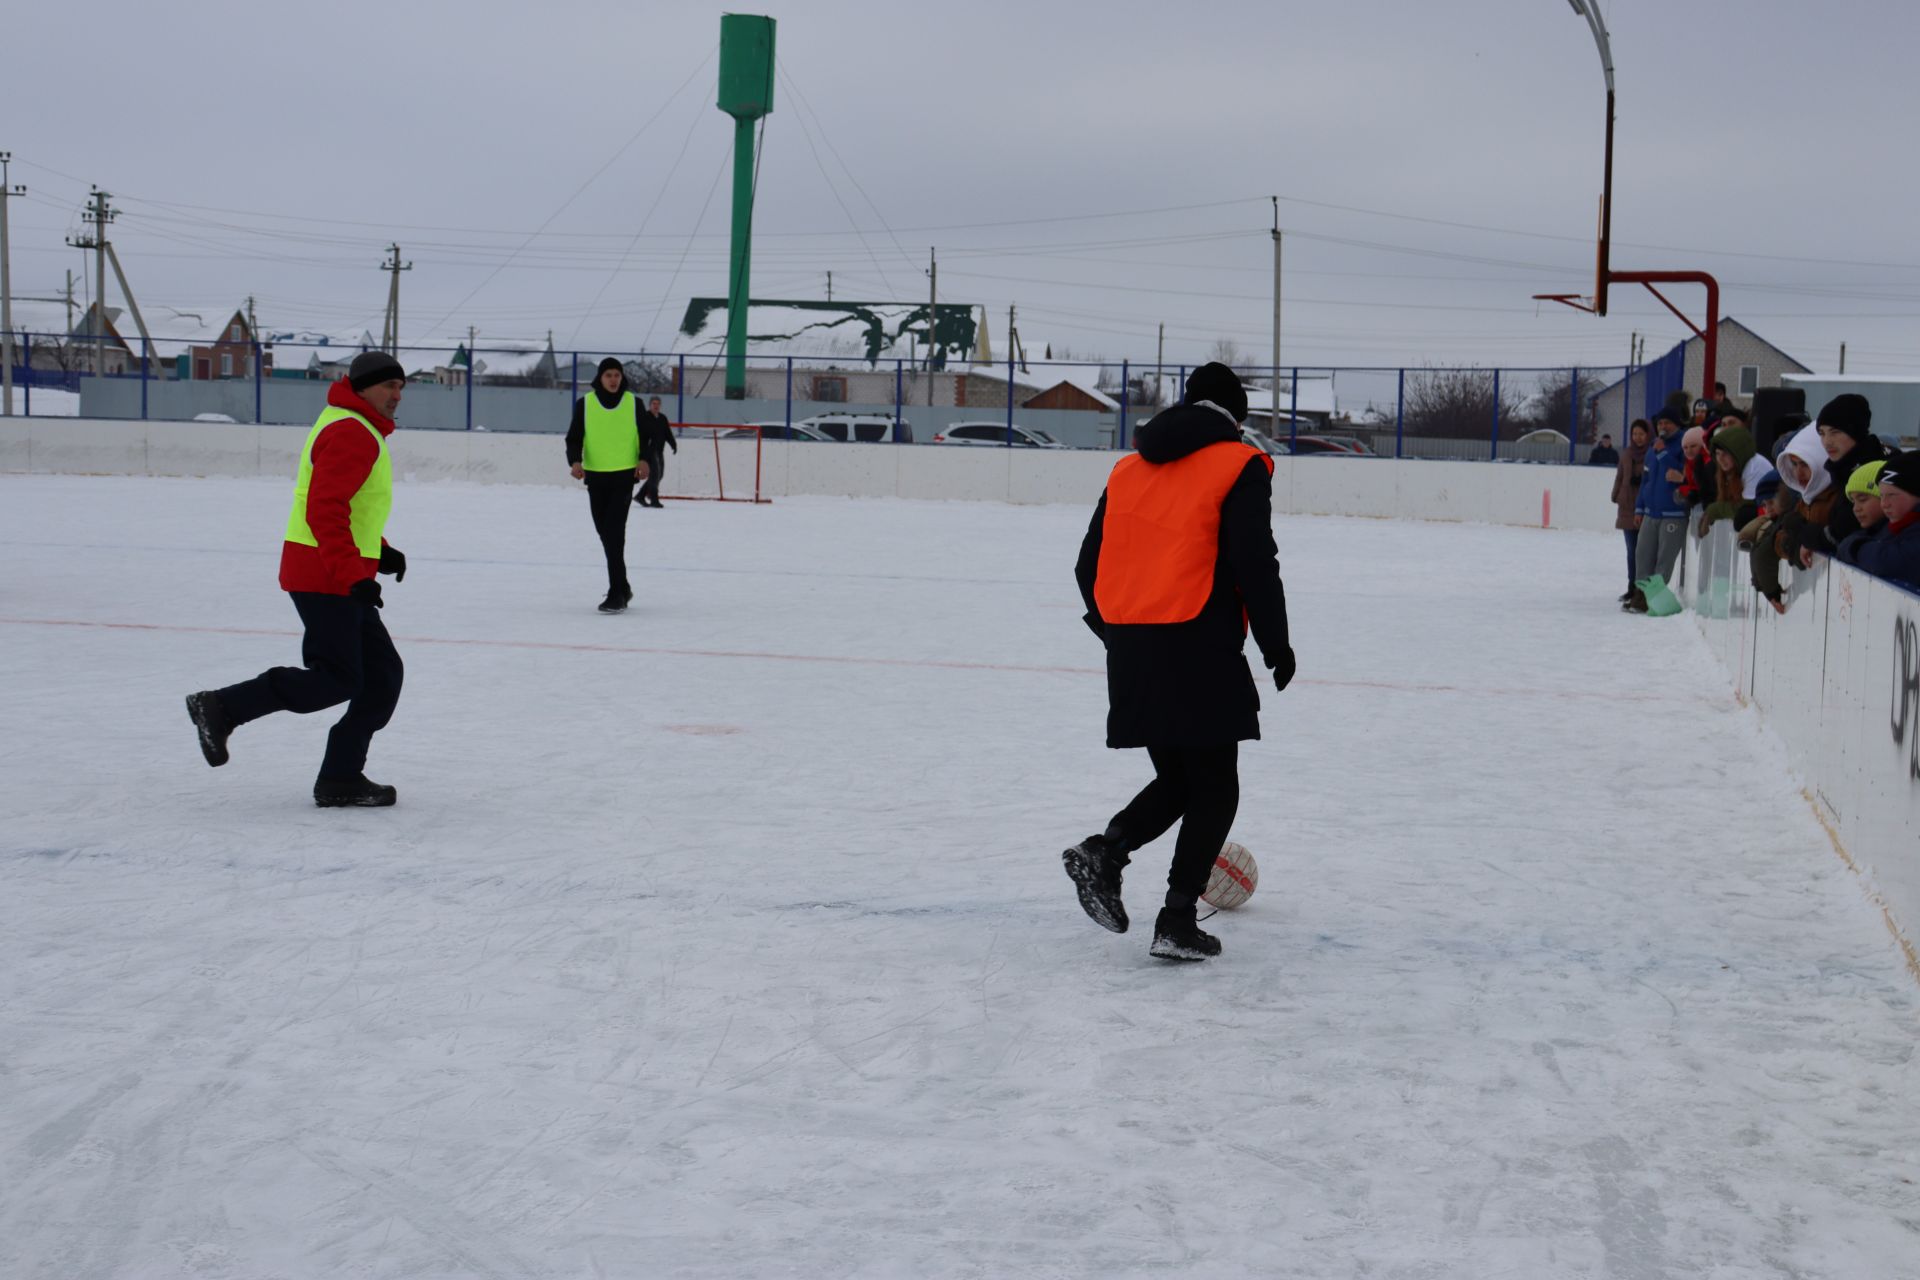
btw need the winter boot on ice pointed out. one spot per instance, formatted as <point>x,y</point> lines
<point>616,602</point>
<point>1094,865</point>
<point>1177,935</point>
<point>1636,601</point>
<point>210,718</point>
<point>355,792</point>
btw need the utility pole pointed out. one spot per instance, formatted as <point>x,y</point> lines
<point>933,300</point>
<point>7,192</point>
<point>146,338</point>
<point>1274,421</point>
<point>829,286</point>
<point>71,304</point>
<point>98,215</point>
<point>1843,357</point>
<point>1160,372</point>
<point>470,332</point>
<point>390,327</point>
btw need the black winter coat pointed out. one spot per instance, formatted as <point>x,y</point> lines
<point>1187,684</point>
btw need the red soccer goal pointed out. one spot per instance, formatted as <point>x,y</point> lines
<point>717,462</point>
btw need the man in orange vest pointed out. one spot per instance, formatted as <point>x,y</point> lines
<point>334,545</point>
<point>1178,564</point>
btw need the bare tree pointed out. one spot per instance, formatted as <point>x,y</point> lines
<point>1554,406</point>
<point>1458,404</point>
<point>1227,352</point>
<point>649,376</point>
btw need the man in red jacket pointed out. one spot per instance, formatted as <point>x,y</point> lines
<point>334,545</point>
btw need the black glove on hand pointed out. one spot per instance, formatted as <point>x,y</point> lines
<point>394,561</point>
<point>1283,670</point>
<point>366,591</point>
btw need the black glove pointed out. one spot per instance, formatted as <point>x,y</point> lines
<point>366,591</point>
<point>393,561</point>
<point>673,444</point>
<point>1283,670</point>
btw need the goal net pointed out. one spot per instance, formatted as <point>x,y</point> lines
<point>717,462</point>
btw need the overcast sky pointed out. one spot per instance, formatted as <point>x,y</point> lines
<point>1105,167</point>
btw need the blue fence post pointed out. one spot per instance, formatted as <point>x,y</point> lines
<point>1573,414</point>
<point>1009,394</point>
<point>1626,405</point>
<point>146,358</point>
<point>680,401</point>
<point>789,395</point>
<point>573,387</point>
<point>899,387</point>
<point>258,397</point>
<point>472,360</point>
<point>1126,391</point>
<point>28,409</point>
<point>1495,455</point>
<point>1293,412</point>
<point>1400,415</point>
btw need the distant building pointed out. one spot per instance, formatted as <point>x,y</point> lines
<point>1745,361</point>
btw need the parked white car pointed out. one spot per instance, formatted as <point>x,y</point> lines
<point>864,428</point>
<point>995,433</point>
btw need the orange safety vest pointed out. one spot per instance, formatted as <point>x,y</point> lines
<point>1161,535</point>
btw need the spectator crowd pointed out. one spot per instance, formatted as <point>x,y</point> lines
<point>1831,488</point>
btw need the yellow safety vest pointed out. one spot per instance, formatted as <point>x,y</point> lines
<point>612,438</point>
<point>368,508</point>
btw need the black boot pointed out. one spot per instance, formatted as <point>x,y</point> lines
<point>1636,601</point>
<point>616,601</point>
<point>210,718</point>
<point>1177,935</point>
<point>355,792</point>
<point>1095,865</point>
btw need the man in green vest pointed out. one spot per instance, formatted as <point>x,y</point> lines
<point>608,442</point>
<point>334,545</point>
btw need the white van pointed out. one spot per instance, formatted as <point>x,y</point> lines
<point>862,428</point>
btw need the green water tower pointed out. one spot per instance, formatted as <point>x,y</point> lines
<point>746,94</point>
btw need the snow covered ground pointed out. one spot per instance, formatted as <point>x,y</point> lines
<point>48,402</point>
<point>728,937</point>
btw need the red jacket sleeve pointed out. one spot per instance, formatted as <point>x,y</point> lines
<point>343,457</point>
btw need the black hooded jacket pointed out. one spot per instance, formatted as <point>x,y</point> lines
<point>650,429</point>
<point>1187,683</point>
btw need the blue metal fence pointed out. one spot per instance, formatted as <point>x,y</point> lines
<point>1508,413</point>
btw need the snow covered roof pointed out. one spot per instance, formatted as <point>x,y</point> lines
<point>863,331</point>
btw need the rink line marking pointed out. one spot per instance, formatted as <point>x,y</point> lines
<point>941,664</point>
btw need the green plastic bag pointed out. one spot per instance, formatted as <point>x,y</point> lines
<point>1661,602</point>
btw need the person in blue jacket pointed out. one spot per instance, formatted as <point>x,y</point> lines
<point>1661,511</point>
<point>1892,550</point>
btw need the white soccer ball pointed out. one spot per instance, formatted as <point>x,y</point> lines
<point>1235,876</point>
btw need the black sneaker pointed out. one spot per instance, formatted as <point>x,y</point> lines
<point>1094,865</point>
<point>628,593</point>
<point>1626,595</point>
<point>1177,935</point>
<point>616,602</point>
<point>210,718</point>
<point>354,792</point>
<point>1636,601</point>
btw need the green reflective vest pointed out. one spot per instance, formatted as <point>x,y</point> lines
<point>366,511</point>
<point>612,439</point>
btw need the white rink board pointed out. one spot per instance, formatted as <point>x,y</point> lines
<point>1379,488</point>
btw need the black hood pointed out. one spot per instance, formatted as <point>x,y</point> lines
<point>601,393</point>
<point>1186,428</point>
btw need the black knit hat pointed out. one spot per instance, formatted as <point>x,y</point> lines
<point>371,368</point>
<point>1902,471</point>
<point>1215,382</point>
<point>1849,413</point>
<point>611,362</point>
<point>1670,414</point>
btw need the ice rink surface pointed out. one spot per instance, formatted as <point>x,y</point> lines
<point>728,937</point>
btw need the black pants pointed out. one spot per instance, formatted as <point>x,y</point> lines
<point>1198,787</point>
<point>656,472</point>
<point>350,658</point>
<point>609,493</point>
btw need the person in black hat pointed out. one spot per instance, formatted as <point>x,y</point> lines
<point>1893,550</point>
<point>334,545</point>
<point>608,441</point>
<point>1846,433</point>
<point>1177,565</point>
